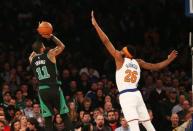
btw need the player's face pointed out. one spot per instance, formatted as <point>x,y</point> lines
<point>43,48</point>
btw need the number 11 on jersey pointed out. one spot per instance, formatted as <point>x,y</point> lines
<point>42,73</point>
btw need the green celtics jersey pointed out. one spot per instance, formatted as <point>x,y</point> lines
<point>45,71</point>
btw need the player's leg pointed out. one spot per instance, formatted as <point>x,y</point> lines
<point>128,105</point>
<point>133,125</point>
<point>46,108</point>
<point>144,115</point>
<point>63,110</point>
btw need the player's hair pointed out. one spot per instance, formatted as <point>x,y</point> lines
<point>131,50</point>
<point>37,45</point>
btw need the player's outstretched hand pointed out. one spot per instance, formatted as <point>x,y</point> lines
<point>173,55</point>
<point>93,18</point>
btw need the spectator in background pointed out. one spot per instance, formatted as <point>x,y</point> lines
<point>73,87</point>
<point>4,88</point>
<point>37,114</point>
<point>23,123</point>
<point>92,93</point>
<point>112,122</point>
<point>58,123</point>
<point>15,125</point>
<point>81,113</point>
<point>124,125</point>
<point>148,87</point>
<point>156,98</point>
<point>99,98</point>
<point>87,105</point>
<point>28,110</point>
<point>2,115</point>
<point>186,125</point>
<point>12,102</point>
<point>190,96</point>
<point>18,114</point>
<point>4,126</point>
<point>84,84</point>
<point>33,125</point>
<point>100,124</point>
<point>96,112</point>
<point>168,104</point>
<point>13,79</point>
<point>107,107</point>
<point>20,100</point>
<point>108,99</point>
<point>5,72</point>
<point>174,122</point>
<point>10,113</point>
<point>90,71</point>
<point>24,88</point>
<point>73,115</point>
<point>177,108</point>
<point>6,99</point>
<point>65,78</point>
<point>79,99</point>
<point>184,110</point>
<point>86,122</point>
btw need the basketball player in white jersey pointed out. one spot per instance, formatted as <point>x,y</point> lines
<point>127,77</point>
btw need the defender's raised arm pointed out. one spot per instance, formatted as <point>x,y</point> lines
<point>105,40</point>
<point>160,65</point>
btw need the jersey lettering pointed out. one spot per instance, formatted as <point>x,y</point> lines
<point>42,73</point>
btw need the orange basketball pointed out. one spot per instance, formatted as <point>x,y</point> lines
<point>45,28</point>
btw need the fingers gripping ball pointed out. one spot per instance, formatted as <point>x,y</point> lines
<point>45,28</point>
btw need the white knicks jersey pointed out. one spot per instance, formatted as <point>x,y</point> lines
<point>128,75</point>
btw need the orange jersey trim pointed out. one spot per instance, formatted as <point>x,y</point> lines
<point>127,53</point>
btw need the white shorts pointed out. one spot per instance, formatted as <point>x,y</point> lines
<point>133,106</point>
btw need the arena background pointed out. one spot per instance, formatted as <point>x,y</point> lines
<point>155,27</point>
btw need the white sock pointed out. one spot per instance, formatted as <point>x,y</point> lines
<point>134,125</point>
<point>148,126</point>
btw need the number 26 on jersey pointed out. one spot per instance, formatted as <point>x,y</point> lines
<point>130,76</point>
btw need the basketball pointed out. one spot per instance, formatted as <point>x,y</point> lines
<point>45,28</point>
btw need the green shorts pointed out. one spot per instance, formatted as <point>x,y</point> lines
<point>52,97</point>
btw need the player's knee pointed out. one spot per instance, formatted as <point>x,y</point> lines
<point>134,125</point>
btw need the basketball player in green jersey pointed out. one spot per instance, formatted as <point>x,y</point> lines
<point>43,64</point>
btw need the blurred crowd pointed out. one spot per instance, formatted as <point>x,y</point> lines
<point>154,27</point>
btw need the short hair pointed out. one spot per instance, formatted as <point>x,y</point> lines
<point>110,112</point>
<point>7,92</point>
<point>37,45</point>
<point>132,50</point>
<point>86,113</point>
<point>13,122</point>
<point>34,122</point>
<point>87,99</point>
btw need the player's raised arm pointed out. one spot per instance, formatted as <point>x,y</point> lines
<point>59,46</point>
<point>105,40</point>
<point>160,65</point>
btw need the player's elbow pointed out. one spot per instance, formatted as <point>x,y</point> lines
<point>62,46</point>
